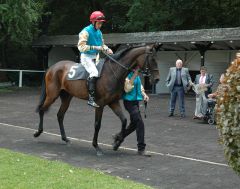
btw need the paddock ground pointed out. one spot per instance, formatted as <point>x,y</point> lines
<point>185,152</point>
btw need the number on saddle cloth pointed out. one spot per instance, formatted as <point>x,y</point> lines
<point>77,71</point>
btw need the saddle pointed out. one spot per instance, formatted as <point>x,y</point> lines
<point>77,71</point>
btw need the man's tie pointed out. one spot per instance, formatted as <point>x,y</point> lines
<point>179,80</point>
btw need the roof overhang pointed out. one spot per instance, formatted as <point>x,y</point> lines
<point>182,40</point>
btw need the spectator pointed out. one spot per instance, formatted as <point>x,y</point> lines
<point>178,82</point>
<point>205,82</point>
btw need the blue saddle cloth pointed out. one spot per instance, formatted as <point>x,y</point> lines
<point>77,71</point>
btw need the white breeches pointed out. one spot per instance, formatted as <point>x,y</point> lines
<point>87,60</point>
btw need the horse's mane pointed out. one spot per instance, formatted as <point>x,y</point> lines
<point>122,51</point>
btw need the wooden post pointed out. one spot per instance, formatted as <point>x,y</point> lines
<point>203,47</point>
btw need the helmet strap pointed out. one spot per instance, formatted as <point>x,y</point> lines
<point>94,24</point>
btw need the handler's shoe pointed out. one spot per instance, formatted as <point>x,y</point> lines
<point>143,153</point>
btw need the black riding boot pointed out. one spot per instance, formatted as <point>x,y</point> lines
<point>92,92</point>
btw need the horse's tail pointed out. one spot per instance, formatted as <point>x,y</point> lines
<point>43,93</point>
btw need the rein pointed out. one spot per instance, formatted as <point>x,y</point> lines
<point>123,66</point>
<point>145,109</point>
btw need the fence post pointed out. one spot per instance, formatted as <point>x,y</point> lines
<point>20,78</point>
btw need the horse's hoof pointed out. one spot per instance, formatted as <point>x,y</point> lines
<point>116,145</point>
<point>99,153</point>
<point>66,140</point>
<point>116,137</point>
<point>37,133</point>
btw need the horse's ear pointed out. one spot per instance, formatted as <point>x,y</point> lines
<point>157,46</point>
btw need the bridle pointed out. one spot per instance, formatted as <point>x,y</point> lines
<point>147,68</point>
<point>145,71</point>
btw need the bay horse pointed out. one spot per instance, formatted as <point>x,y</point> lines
<point>109,87</point>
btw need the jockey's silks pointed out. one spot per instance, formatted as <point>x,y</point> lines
<point>135,93</point>
<point>94,38</point>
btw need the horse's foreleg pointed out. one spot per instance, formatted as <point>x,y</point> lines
<point>97,125</point>
<point>130,128</point>
<point>118,111</point>
<point>66,99</point>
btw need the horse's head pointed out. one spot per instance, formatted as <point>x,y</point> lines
<point>129,57</point>
<point>147,62</point>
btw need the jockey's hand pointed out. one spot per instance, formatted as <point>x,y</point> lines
<point>107,50</point>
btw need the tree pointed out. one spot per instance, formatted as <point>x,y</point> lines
<point>228,117</point>
<point>19,21</point>
<point>116,14</point>
<point>159,15</point>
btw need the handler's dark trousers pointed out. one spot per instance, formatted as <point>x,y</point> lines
<point>136,121</point>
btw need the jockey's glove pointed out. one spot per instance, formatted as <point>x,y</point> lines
<point>105,48</point>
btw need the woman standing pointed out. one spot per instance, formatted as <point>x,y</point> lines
<point>134,92</point>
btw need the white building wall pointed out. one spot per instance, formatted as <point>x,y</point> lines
<point>215,61</point>
<point>60,53</point>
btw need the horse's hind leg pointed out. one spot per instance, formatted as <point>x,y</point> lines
<point>65,98</point>
<point>47,102</point>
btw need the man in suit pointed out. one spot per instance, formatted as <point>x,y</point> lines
<point>178,82</point>
<point>205,80</point>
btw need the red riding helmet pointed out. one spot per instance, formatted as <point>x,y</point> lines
<point>97,16</point>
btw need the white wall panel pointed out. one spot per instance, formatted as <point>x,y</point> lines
<point>215,61</point>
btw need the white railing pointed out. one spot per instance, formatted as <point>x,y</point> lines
<point>21,73</point>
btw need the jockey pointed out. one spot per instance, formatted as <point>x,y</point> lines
<point>90,44</point>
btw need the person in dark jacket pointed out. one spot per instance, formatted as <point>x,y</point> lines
<point>178,83</point>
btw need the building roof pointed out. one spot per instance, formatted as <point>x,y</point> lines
<point>181,40</point>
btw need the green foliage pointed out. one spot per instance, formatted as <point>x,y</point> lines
<point>228,115</point>
<point>68,17</point>
<point>116,14</point>
<point>155,15</point>
<point>65,22</point>
<point>19,20</point>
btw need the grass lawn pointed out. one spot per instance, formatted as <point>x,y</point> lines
<point>5,90</point>
<point>20,171</point>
